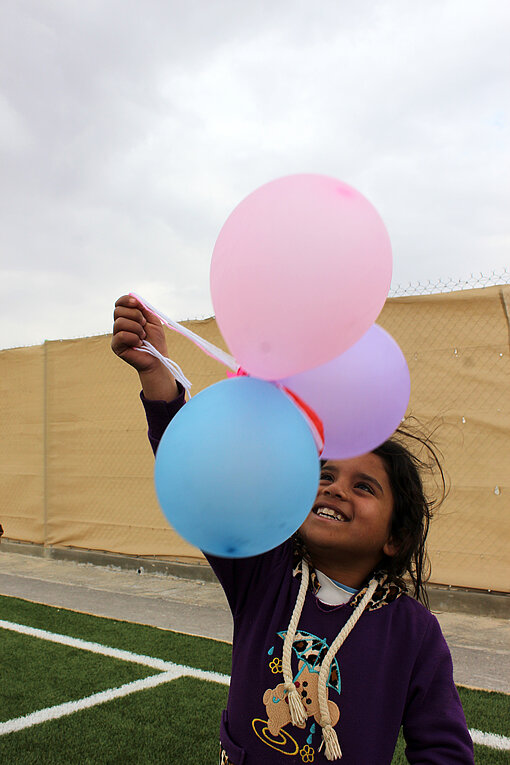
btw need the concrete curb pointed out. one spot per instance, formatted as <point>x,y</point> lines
<point>441,597</point>
<point>198,570</point>
<point>464,601</point>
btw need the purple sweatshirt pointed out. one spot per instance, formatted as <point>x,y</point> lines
<point>393,670</point>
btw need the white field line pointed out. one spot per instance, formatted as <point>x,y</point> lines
<point>493,740</point>
<point>114,653</point>
<point>169,670</point>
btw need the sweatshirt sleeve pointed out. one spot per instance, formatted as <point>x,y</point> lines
<point>434,725</point>
<point>159,414</point>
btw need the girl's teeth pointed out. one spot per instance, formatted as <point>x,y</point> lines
<point>325,513</point>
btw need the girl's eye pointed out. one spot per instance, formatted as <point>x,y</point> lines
<point>326,476</point>
<point>365,487</point>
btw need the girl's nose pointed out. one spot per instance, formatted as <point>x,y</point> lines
<point>336,490</point>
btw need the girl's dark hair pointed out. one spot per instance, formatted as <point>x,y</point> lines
<point>406,467</point>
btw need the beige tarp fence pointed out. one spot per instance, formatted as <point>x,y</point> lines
<point>76,468</point>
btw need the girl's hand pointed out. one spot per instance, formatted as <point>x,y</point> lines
<point>132,324</point>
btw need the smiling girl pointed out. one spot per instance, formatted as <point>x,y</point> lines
<point>331,654</point>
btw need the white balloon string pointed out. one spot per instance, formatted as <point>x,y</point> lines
<point>168,363</point>
<point>212,350</point>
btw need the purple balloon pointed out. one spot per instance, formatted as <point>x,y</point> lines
<point>360,396</point>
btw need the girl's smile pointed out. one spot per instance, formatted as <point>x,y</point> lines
<point>323,510</point>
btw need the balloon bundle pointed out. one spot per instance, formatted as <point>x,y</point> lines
<point>300,271</point>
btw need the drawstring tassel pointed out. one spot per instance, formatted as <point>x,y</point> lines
<point>297,711</point>
<point>330,739</point>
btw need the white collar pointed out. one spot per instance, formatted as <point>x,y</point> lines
<point>331,593</point>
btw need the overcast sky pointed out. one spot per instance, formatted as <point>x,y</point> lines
<point>129,130</point>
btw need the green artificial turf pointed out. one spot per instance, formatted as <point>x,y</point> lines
<point>487,711</point>
<point>486,756</point>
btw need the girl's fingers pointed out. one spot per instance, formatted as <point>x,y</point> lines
<point>123,341</point>
<point>132,314</point>
<point>126,324</point>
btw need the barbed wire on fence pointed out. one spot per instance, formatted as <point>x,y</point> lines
<point>433,286</point>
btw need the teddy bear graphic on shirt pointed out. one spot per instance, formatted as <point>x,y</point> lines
<point>310,651</point>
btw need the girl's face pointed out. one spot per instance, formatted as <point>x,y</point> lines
<point>351,517</point>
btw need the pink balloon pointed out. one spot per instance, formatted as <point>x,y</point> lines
<point>361,396</point>
<point>299,273</point>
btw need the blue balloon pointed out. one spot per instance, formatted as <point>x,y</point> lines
<point>237,469</point>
